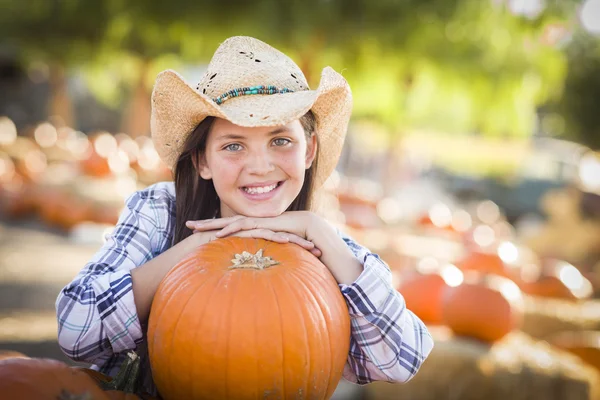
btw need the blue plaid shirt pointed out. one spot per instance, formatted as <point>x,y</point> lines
<point>98,321</point>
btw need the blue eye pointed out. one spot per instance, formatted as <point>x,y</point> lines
<point>281,142</point>
<point>233,147</point>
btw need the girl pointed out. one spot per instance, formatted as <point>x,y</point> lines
<point>248,147</point>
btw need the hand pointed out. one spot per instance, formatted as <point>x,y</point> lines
<point>212,229</point>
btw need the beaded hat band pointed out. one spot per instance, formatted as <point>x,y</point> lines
<point>246,64</point>
<point>248,91</point>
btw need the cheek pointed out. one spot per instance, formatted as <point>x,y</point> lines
<point>293,163</point>
<point>226,174</point>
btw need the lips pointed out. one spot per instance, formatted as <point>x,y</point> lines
<point>262,191</point>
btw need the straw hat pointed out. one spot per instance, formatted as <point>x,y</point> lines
<point>249,83</point>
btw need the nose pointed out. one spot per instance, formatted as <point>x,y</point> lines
<point>259,163</point>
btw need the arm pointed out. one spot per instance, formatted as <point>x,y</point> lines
<point>147,277</point>
<point>98,311</point>
<point>388,342</point>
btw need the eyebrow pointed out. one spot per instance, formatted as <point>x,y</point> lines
<point>232,136</point>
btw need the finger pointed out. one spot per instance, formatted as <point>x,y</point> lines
<point>263,234</point>
<point>316,252</point>
<point>209,224</point>
<point>208,236</point>
<point>308,245</point>
<point>245,224</point>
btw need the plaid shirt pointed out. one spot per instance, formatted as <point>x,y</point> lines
<point>98,321</point>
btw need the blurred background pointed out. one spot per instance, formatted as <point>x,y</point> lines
<point>471,165</point>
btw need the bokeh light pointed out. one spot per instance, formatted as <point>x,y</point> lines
<point>452,275</point>
<point>589,16</point>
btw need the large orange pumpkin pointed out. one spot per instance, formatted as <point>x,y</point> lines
<point>483,307</point>
<point>45,379</point>
<point>245,319</point>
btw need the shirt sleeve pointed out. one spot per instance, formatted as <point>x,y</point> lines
<point>388,342</point>
<point>96,312</point>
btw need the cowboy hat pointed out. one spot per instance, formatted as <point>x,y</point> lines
<point>250,83</point>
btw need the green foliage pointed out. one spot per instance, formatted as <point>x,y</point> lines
<point>457,66</point>
<point>580,103</point>
<point>63,31</point>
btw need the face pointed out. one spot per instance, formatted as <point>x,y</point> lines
<point>257,172</point>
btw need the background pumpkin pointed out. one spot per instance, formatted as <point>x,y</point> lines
<point>4,354</point>
<point>481,308</point>
<point>45,379</point>
<point>125,386</point>
<point>247,333</point>
<point>423,295</point>
<point>484,262</point>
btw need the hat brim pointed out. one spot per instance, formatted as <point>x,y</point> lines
<point>177,109</point>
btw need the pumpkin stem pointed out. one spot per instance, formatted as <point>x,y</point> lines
<point>126,379</point>
<point>255,261</point>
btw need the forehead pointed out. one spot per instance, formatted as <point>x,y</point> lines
<point>222,129</point>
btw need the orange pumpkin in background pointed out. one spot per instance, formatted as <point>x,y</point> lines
<point>558,279</point>
<point>484,307</point>
<point>4,354</point>
<point>16,200</point>
<point>45,379</point>
<point>125,385</point>
<point>548,286</point>
<point>426,222</point>
<point>484,262</point>
<point>423,295</point>
<point>247,318</point>
<point>584,344</point>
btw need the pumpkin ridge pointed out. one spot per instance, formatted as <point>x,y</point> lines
<point>163,300</point>
<point>255,325</point>
<point>293,295</point>
<point>270,284</point>
<point>304,272</point>
<point>199,321</point>
<point>328,308</point>
<point>169,285</point>
<point>299,300</point>
<point>207,305</point>
<point>228,325</point>
<point>177,323</point>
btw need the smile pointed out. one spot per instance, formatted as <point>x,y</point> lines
<point>265,189</point>
<point>261,192</point>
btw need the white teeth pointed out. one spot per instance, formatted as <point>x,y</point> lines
<point>257,190</point>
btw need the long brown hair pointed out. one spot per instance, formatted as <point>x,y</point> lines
<point>197,199</point>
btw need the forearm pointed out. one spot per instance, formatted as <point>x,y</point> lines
<point>388,341</point>
<point>147,277</point>
<point>336,255</point>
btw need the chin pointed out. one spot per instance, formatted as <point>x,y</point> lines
<point>265,214</point>
<point>262,213</point>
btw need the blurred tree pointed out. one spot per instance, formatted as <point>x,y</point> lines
<point>456,66</point>
<point>579,104</point>
<point>58,33</point>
